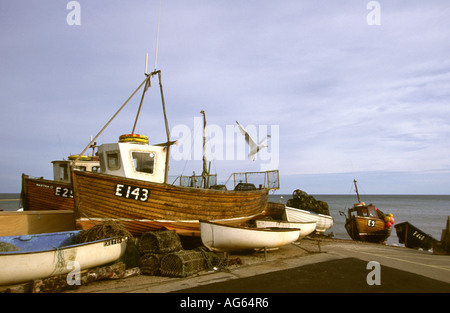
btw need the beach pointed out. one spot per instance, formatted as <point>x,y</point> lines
<point>310,265</point>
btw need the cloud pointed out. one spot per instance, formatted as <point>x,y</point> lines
<point>346,96</point>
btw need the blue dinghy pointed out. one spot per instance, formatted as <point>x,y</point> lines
<point>45,255</point>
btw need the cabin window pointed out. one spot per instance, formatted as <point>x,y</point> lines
<point>143,161</point>
<point>372,212</point>
<point>63,172</point>
<point>113,160</point>
<point>95,169</point>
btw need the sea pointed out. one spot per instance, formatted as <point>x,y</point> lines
<point>429,213</point>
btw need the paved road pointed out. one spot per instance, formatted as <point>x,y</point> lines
<point>340,267</point>
<point>337,276</point>
<point>345,270</point>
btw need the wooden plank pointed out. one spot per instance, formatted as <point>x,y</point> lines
<point>36,222</point>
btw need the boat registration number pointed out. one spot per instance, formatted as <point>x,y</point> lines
<point>371,223</point>
<point>131,192</point>
<point>64,192</point>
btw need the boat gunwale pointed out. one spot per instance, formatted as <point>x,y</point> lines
<point>306,211</point>
<point>19,252</point>
<point>171,186</point>
<point>47,181</point>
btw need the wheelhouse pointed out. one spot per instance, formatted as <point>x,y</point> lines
<point>61,168</point>
<point>131,160</point>
<point>363,210</point>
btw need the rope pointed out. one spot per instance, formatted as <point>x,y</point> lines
<point>111,119</point>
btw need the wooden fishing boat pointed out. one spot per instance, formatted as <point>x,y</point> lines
<point>412,237</point>
<point>306,228</point>
<point>133,188</point>
<point>143,206</point>
<point>51,254</point>
<point>220,237</point>
<point>323,222</point>
<point>57,194</point>
<point>367,222</point>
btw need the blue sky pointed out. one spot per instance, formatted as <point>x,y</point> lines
<point>351,100</point>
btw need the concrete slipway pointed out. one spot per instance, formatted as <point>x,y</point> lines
<point>309,265</point>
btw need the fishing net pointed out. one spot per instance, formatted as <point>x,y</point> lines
<point>212,260</point>
<point>108,229</point>
<point>111,229</point>
<point>7,247</point>
<point>159,242</point>
<point>301,200</point>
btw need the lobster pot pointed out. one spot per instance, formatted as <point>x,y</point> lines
<point>150,264</point>
<point>182,263</point>
<point>159,242</point>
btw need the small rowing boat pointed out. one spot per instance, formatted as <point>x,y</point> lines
<point>39,256</point>
<point>323,222</point>
<point>219,237</point>
<point>412,237</point>
<point>306,228</point>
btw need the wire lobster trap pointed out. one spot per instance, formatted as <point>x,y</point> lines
<point>262,180</point>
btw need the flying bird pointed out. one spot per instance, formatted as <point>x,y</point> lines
<point>254,148</point>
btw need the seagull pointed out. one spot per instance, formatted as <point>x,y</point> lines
<point>254,148</point>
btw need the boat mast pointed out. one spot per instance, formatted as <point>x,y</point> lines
<point>357,193</point>
<point>205,170</point>
<point>147,84</point>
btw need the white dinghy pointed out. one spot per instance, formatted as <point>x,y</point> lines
<point>219,237</point>
<point>323,222</point>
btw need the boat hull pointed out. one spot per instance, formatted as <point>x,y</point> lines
<point>157,206</point>
<point>412,237</point>
<point>219,237</point>
<point>323,222</point>
<point>306,228</point>
<point>40,194</point>
<point>51,254</point>
<point>367,229</point>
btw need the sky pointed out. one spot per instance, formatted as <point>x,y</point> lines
<point>349,89</point>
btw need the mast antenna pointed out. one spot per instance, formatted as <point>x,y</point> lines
<point>157,34</point>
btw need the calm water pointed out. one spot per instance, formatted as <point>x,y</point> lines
<point>9,201</point>
<point>427,212</point>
